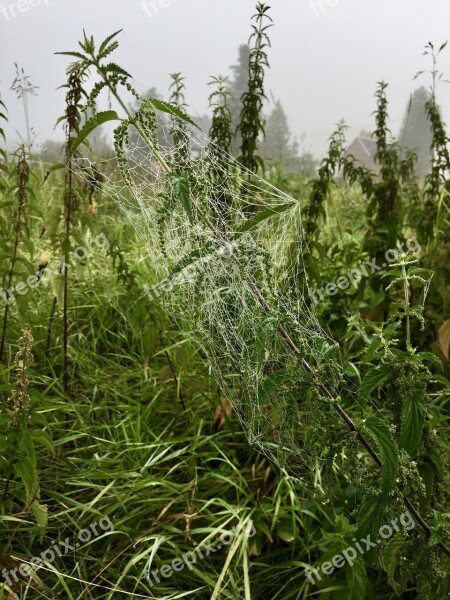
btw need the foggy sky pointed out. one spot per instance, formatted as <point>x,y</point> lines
<point>326,55</point>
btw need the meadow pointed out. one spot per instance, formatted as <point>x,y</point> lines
<point>219,378</point>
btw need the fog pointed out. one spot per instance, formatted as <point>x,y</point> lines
<point>326,55</point>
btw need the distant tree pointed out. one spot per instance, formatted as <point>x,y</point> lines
<point>415,132</point>
<point>306,164</point>
<point>237,86</point>
<point>277,144</point>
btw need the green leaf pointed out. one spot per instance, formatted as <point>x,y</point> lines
<point>436,459</point>
<point>427,473</point>
<point>412,423</point>
<point>58,289</point>
<point>181,189</point>
<point>357,582</point>
<point>170,109</point>
<point>57,167</point>
<point>390,559</point>
<point>74,54</point>
<point>107,40</point>
<point>26,445</point>
<point>431,358</point>
<point>265,330</point>
<point>262,216</point>
<point>191,258</point>
<point>373,379</point>
<point>25,470</point>
<point>286,529</point>
<point>377,298</point>
<point>114,68</point>
<point>381,434</point>
<point>43,438</point>
<point>40,513</point>
<point>89,126</point>
<point>370,519</point>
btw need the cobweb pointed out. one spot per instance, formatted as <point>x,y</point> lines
<point>228,251</point>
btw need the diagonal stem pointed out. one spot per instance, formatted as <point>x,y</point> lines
<point>340,411</point>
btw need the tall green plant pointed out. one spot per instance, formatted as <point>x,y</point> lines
<point>71,120</point>
<point>19,226</point>
<point>221,136</point>
<point>251,124</point>
<point>19,439</point>
<point>4,118</point>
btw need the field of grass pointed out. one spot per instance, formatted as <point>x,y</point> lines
<point>125,469</point>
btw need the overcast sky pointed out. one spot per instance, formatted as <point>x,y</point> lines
<point>326,55</point>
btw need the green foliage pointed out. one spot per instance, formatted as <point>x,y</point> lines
<point>251,124</point>
<point>18,213</point>
<point>181,192</point>
<point>380,432</point>
<point>19,439</point>
<point>143,413</point>
<point>97,120</point>
<point>220,132</point>
<point>329,167</point>
<point>3,117</point>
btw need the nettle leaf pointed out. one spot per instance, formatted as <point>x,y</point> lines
<point>431,358</point>
<point>286,529</point>
<point>74,55</point>
<point>263,215</point>
<point>381,434</point>
<point>391,559</point>
<point>192,257</point>
<point>370,519</point>
<point>412,423</point>
<point>263,334</point>
<point>170,109</point>
<point>427,473</point>
<point>25,469</point>
<point>181,189</point>
<point>40,512</point>
<point>90,125</point>
<point>373,379</point>
<point>357,582</point>
<point>114,68</point>
<point>106,41</point>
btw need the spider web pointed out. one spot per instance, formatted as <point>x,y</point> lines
<point>228,251</point>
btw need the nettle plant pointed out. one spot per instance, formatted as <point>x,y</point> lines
<point>23,432</point>
<point>243,294</point>
<point>15,226</point>
<point>221,135</point>
<point>251,124</point>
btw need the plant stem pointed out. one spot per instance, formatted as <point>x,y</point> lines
<point>22,167</point>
